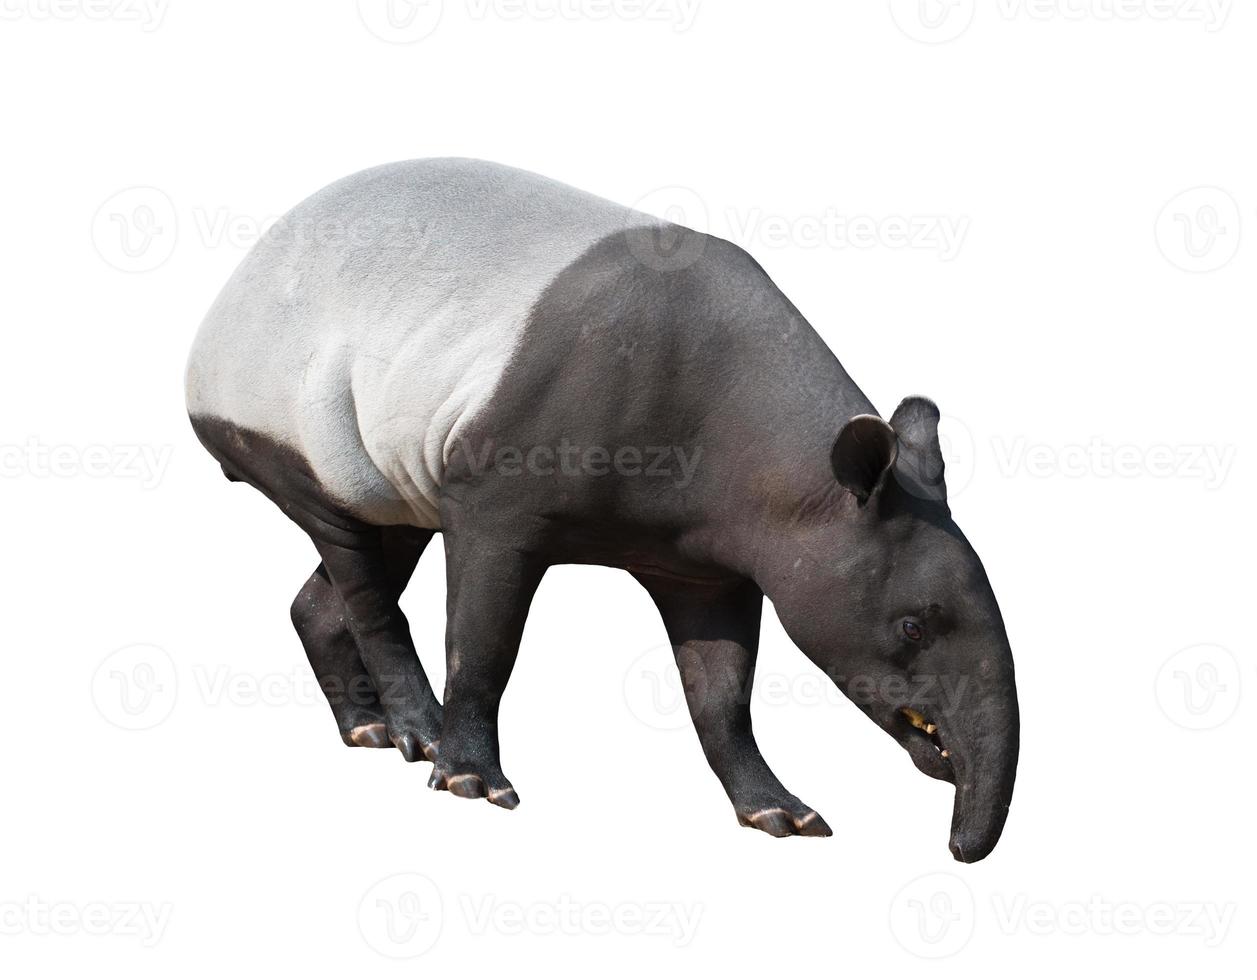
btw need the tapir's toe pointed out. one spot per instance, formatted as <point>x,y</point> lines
<point>408,746</point>
<point>464,781</point>
<point>812,824</point>
<point>780,822</point>
<point>469,786</point>
<point>373,736</point>
<point>506,798</point>
<point>774,822</point>
<point>414,747</point>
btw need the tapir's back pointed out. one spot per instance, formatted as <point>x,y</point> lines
<point>375,319</point>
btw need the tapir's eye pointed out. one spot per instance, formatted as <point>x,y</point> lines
<point>913,631</point>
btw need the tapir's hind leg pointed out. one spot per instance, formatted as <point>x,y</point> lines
<point>491,576</point>
<point>364,565</point>
<point>365,568</point>
<point>319,617</point>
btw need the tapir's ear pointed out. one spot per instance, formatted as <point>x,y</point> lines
<point>863,454</point>
<point>919,468</point>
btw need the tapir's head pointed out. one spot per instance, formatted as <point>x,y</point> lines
<point>901,615</point>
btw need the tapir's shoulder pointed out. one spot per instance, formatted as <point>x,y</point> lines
<point>667,278</point>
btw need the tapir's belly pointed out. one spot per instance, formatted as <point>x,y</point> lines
<point>373,323</point>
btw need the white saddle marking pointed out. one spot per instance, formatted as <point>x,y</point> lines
<point>374,321</point>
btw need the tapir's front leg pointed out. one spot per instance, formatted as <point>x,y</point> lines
<point>714,633</point>
<point>491,581</point>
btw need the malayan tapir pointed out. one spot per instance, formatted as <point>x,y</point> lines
<point>545,377</point>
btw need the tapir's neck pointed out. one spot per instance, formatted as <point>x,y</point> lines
<point>771,474</point>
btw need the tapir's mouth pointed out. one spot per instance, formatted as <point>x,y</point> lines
<point>919,722</point>
<point>924,741</point>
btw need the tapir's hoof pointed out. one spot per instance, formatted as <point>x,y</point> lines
<point>413,748</point>
<point>374,736</point>
<point>780,822</point>
<point>471,786</point>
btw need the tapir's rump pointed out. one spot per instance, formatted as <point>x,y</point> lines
<point>375,319</point>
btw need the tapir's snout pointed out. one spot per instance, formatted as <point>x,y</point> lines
<point>970,738</point>
<point>984,790</point>
<point>982,737</point>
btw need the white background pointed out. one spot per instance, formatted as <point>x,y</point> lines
<point>1089,343</point>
